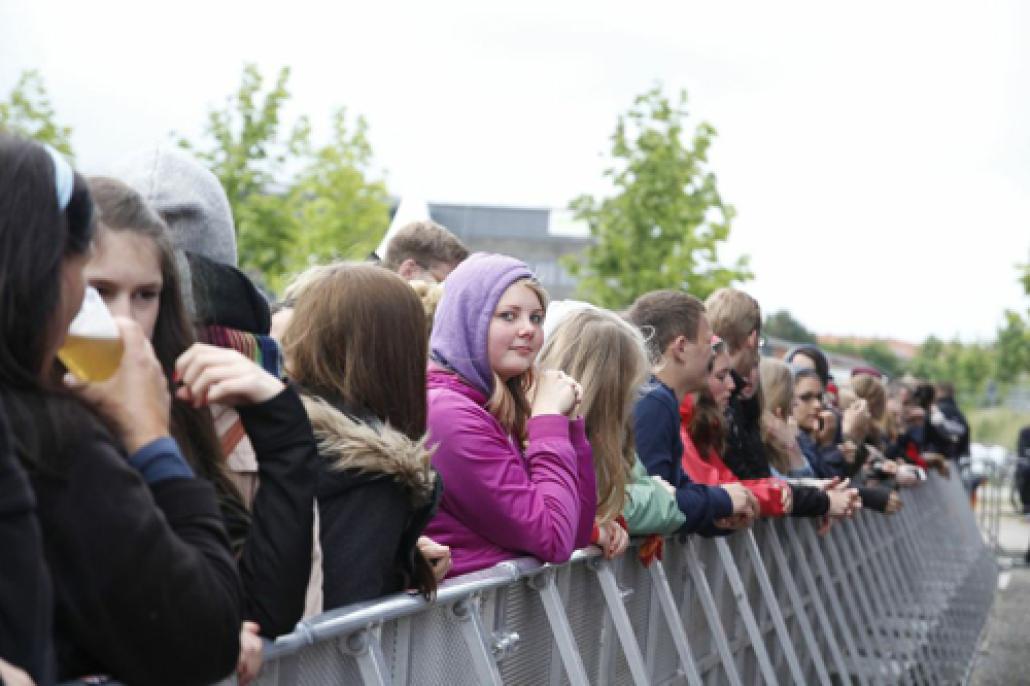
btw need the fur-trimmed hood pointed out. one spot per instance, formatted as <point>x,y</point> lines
<point>347,443</point>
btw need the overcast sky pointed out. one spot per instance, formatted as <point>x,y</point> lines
<point>878,154</point>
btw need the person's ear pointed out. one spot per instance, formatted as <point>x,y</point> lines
<point>752,339</point>
<point>678,347</point>
<point>408,269</point>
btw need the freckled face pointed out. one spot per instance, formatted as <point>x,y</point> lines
<point>516,331</point>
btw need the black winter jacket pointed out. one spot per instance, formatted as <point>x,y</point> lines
<point>145,587</point>
<point>26,603</point>
<point>376,493</point>
<point>275,563</point>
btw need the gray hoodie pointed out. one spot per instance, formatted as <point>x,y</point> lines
<point>187,196</point>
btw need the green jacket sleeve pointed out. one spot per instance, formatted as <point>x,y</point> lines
<point>649,508</point>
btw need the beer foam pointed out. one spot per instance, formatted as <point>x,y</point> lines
<point>93,320</point>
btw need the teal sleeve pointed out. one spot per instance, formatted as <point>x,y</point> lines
<point>650,508</point>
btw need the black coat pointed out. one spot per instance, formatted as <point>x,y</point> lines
<point>26,603</point>
<point>145,587</point>
<point>745,454</point>
<point>376,493</point>
<point>275,563</point>
<point>959,448</point>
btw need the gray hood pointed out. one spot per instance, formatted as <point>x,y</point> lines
<point>187,196</point>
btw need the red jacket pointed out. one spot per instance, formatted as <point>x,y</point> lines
<point>711,470</point>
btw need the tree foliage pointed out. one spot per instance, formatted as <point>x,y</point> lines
<point>970,366</point>
<point>663,226</point>
<point>1013,347</point>
<point>295,203</point>
<point>783,325</point>
<point>973,368</point>
<point>877,353</point>
<point>27,112</point>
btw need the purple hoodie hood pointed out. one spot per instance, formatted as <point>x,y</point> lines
<point>462,319</point>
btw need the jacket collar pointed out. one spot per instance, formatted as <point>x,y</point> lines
<point>348,443</point>
<point>439,378</point>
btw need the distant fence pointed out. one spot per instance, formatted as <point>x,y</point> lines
<point>898,599</point>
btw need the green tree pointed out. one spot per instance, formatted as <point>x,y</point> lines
<point>295,203</point>
<point>1013,347</point>
<point>783,325</point>
<point>876,353</point>
<point>28,112</point>
<point>248,153</point>
<point>969,366</point>
<point>663,226</point>
<point>341,212</point>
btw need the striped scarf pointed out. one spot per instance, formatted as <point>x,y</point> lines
<point>264,350</point>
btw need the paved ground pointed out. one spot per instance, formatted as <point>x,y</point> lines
<point>1004,655</point>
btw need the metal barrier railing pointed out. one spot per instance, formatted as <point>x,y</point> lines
<point>898,599</point>
<point>990,500</point>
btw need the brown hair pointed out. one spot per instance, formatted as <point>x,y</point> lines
<point>733,315</point>
<point>606,355</point>
<point>358,334</point>
<point>123,210</point>
<point>707,425</point>
<point>509,402</point>
<point>304,280</point>
<point>427,243</point>
<point>664,315</point>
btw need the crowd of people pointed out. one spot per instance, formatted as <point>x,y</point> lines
<point>380,428</point>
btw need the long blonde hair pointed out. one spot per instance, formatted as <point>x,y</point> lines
<point>777,388</point>
<point>509,402</point>
<point>607,356</point>
<point>872,390</point>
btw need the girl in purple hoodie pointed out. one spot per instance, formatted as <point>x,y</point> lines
<point>510,443</point>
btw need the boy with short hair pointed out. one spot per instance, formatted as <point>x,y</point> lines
<point>679,336</point>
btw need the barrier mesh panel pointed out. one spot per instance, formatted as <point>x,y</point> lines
<point>523,612</point>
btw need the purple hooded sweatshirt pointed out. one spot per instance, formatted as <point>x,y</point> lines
<point>499,502</point>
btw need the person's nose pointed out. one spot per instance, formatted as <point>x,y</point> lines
<point>119,306</point>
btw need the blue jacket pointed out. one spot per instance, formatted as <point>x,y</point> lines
<point>827,461</point>
<point>656,427</point>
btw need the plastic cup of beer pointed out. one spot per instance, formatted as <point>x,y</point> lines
<point>93,348</point>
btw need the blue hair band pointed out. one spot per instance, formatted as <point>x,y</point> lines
<point>64,177</point>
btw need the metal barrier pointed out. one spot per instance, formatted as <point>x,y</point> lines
<point>879,600</point>
<point>991,496</point>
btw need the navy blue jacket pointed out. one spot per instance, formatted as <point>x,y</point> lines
<point>656,427</point>
<point>827,461</point>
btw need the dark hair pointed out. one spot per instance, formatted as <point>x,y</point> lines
<point>665,315</point>
<point>359,334</point>
<point>799,373</point>
<point>35,239</point>
<point>822,366</point>
<point>426,242</point>
<point>707,425</point>
<point>923,394</point>
<point>122,209</point>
